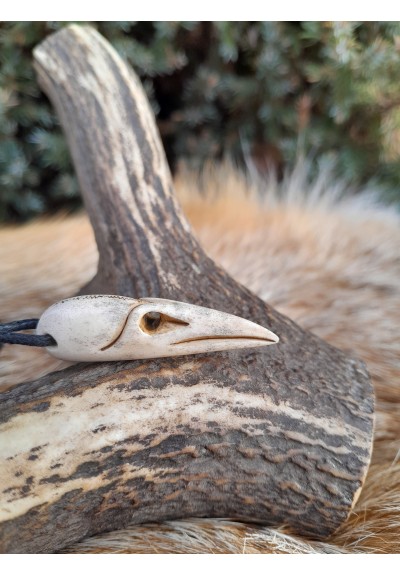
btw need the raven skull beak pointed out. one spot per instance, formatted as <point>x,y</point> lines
<point>110,328</point>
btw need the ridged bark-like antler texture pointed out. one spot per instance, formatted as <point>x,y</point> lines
<point>281,435</point>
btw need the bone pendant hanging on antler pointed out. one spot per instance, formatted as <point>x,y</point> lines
<point>104,328</point>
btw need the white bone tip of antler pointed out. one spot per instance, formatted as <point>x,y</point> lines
<point>110,328</point>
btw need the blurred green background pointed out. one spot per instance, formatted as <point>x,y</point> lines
<point>267,93</point>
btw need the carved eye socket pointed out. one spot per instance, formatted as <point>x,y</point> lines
<point>152,320</point>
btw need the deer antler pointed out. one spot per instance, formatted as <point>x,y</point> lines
<point>279,434</point>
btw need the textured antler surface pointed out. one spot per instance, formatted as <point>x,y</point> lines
<point>278,435</point>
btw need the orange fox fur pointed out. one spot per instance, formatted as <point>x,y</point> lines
<point>328,260</point>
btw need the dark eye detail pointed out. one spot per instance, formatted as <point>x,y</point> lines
<point>152,320</point>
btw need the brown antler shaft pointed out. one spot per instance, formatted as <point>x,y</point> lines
<point>278,435</point>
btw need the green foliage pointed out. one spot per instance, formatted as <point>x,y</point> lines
<point>267,92</point>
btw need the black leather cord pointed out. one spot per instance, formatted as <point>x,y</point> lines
<point>9,334</point>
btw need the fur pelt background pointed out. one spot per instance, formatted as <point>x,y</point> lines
<point>328,259</point>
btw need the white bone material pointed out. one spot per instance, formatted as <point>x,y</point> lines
<point>108,328</point>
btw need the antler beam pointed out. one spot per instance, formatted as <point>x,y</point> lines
<point>278,435</point>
